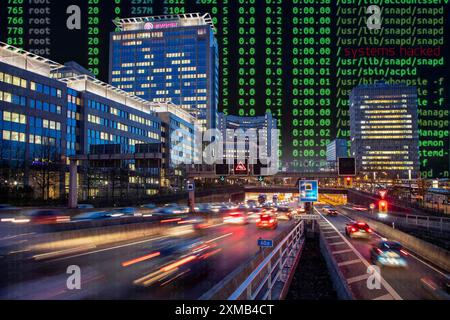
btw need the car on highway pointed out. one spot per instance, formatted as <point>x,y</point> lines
<point>167,211</point>
<point>358,230</point>
<point>149,206</point>
<point>43,216</point>
<point>284,213</point>
<point>389,254</point>
<point>267,221</point>
<point>329,210</point>
<point>100,215</point>
<point>359,208</point>
<point>236,216</point>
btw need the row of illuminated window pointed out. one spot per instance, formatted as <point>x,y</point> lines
<point>386,121</point>
<point>14,136</point>
<point>187,99</point>
<point>175,55</point>
<point>386,137</point>
<point>368,132</point>
<point>147,35</point>
<point>391,152</point>
<point>194,76</point>
<point>13,98</point>
<point>37,139</point>
<point>391,111</point>
<point>45,89</point>
<point>400,116</point>
<point>10,79</point>
<point>390,101</point>
<point>387,168</point>
<point>14,117</point>
<point>184,62</point>
<point>73,99</point>
<point>131,43</point>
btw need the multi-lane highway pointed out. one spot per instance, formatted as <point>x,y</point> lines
<point>404,283</point>
<point>166,267</point>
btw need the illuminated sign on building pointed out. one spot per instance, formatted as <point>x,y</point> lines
<point>157,26</point>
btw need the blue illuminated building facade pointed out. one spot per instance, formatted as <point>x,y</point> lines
<point>169,59</point>
<point>50,112</point>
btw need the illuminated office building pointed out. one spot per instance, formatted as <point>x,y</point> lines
<point>50,112</point>
<point>252,127</point>
<point>169,59</point>
<point>337,149</point>
<point>384,130</point>
<point>177,136</point>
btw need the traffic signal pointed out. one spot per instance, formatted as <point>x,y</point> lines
<point>348,182</point>
<point>383,206</point>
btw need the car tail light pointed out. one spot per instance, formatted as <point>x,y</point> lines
<point>258,220</point>
<point>353,229</point>
<point>271,221</point>
<point>369,230</point>
<point>361,224</point>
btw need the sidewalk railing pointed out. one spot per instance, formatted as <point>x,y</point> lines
<point>265,281</point>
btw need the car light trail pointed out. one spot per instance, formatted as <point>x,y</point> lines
<point>219,238</point>
<point>178,263</point>
<point>170,220</point>
<point>141,259</point>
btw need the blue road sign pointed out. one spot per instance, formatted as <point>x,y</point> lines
<point>265,243</point>
<point>309,190</point>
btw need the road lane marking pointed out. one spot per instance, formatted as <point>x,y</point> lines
<point>337,243</point>
<point>358,278</point>
<point>347,263</point>
<point>385,297</point>
<point>342,251</point>
<point>386,285</point>
<point>332,237</point>
<point>109,249</point>
<point>409,251</point>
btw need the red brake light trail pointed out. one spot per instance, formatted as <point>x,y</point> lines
<point>141,259</point>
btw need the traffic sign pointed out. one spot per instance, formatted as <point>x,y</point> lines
<point>241,168</point>
<point>309,190</point>
<point>190,186</point>
<point>264,243</point>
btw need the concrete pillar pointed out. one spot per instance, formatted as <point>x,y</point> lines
<point>73,185</point>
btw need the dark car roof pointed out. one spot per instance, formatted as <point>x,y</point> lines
<point>390,245</point>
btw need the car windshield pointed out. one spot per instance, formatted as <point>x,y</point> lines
<point>391,246</point>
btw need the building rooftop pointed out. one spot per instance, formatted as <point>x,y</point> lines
<point>169,107</point>
<point>152,22</point>
<point>95,86</point>
<point>26,60</point>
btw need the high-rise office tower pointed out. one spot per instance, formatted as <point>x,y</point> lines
<point>169,59</point>
<point>384,130</point>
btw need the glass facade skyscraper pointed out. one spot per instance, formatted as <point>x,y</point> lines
<point>169,59</point>
<point>384,130</point>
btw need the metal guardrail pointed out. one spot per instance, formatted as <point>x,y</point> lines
<point>273,270</point>
<point>429,222</point>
